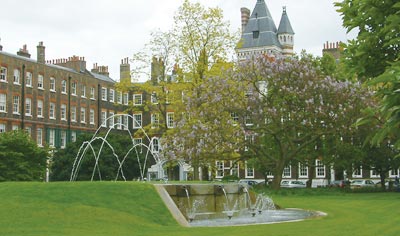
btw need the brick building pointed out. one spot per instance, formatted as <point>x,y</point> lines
<point>55,100</point>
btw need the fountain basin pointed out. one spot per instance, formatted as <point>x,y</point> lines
<point>213,205</point>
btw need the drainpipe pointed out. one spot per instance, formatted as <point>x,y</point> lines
<point>23,98</point>
<point>98,105</point>
<point>69,109</point>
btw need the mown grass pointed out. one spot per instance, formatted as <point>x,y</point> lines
<point>109,208</point>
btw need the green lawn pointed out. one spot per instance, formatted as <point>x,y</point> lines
<point>131,208</point>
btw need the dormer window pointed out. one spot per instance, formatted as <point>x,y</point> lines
<point>256,34</point>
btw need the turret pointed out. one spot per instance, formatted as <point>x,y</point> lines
<point>286,34</point>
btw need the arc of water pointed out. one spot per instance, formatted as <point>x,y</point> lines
<point>88,144</point>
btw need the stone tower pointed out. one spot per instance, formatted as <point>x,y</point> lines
<point>261,36</point>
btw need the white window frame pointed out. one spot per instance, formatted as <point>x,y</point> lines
<point>63,112</point>
<point>39,109</point>
<point>287,172</point>
<point>137,121</point>
<point>394,173</point>
<point>28,107</point>
<point>3,102</point>
<point>137,99</point>
<point>320,169</point>
<point>155,120</point>
<point>153,98</point>
<point>52,83</point>
<point>74,85</point>
<point>103,118</point>
<point>73,113</point>
<point>2,128</point>
<point>303,170</point>
<point>28,79</point>
<point>83,91</point>
<point>155,145</point>
<point>40,83</point>
<point>3,74</point>
<point>16,104</point>
<point>83,115</point>
<point>73,136</point>
<point>64,86</point>
<point>119,121</point>
<point>63,139</point>
<point>112,95</point>
<point>170,120</point>
<point>357,173</point>
<point>52,111</point>
<point>248,170</point>
<point>125,98</point>
<point>91,117</point>
<point>137,143</point>
<point>125,122</point>
<point>119,97</point>
<point>234,170</point>
<point>39,137</point>
<point>92,93</point>
<point>52,137</point>
<point>111,120</point>
<point>17,77</point>
<point>103,93</point>
<point>219,169</point>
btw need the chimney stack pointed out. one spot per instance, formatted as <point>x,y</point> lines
<point>41,57</point>
<point>245,17</point>
<point>1,47</point>
<point>125,70</point>
<point>24,52</point>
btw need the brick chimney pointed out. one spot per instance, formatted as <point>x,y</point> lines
<point>24,52</point>
<point>41,56</point>
<point>102,70</point>
<point>245,17</point>
<point>125,70</point>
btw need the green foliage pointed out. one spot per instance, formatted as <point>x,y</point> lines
<point>20,158</point>
<point>378,40</point>
<point>63,160</point>
<point>122,209</point>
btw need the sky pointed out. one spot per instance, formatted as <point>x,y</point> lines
<point>106,31</point>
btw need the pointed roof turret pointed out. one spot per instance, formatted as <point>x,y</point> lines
<point>284,26</point>
<point>260,30</point>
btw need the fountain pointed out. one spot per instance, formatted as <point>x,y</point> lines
<point>230,204</point>
<point>195,204</point>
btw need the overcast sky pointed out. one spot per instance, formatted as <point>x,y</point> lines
<point>105,31</point>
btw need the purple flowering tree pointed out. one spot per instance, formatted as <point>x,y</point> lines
<point>291,109</point>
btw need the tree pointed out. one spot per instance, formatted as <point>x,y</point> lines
<point>378,40</point>
<point>20,158</point>
<point>207,131</point>
<point>294,109</point>
<point>200,45</point>
<point>374,56</point>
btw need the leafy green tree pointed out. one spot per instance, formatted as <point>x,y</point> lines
<point>107,167</point>
<point>374,56</point>
<point>294,108</point>
<point>378,40</point>
<point>20,158</point>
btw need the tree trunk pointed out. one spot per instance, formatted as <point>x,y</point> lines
<point>276,182</point>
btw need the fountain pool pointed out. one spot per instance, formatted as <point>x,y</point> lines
<point>225,205</point>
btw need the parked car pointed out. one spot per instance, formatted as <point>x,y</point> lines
<point>361,183</point>
<point>250,182</point>
<point>292,184</point>
<point>339,184</point>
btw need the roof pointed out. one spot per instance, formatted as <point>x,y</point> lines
<point>95,75</point>
<point>284,25</point>
<point>102,77</point>
<point>261,21</point>
<point>34,61</point>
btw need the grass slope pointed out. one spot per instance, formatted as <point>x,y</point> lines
<point>109,208</point>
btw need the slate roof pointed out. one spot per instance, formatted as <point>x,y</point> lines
<point>260,20</point>
<point>284,25</point>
